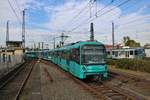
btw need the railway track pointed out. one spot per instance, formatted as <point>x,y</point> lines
<point>127,76</point>
<point>139,85</point>
<point>14,82</point>
<point>107,92</point>
<point>100,89</point>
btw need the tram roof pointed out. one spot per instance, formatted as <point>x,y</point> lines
<point>123,49</point>
<point>78,44</point>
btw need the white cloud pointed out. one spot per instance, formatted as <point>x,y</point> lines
<point>6,13</point>
<point>102,24</point>
<point>61,19</point>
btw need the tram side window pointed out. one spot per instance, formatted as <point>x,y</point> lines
<point>50,54</point>
<point>55,53</point>
<point>115,53</point>
<point>59,53</point>
<point>131,52</point>
<point>65,55</point>
<point>75,55</point>
<point>136,52</point>
<point>108,52</point>
<point>62,54</point>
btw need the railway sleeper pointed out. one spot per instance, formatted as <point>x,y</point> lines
<point>111,94</point>
<point>99,87</point>
<point>107,91</point>
<point>118,97</point>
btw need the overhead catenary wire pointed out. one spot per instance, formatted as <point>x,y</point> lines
<point>132,21</point>
<point>105,6</point>
<point>82,10</point>
<point>79,13</point>
<point>96,8</point>
<point>110,4</point>
<point>93,18</point>
<point>135,20</point>
<point>98,11</point>
<point>14,11</point>
<point>18,6</point>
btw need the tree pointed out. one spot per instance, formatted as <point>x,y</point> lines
<point>131,43</point>
<point>147,45</point>
<point>125,39</point>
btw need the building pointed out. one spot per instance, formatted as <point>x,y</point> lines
<point>109,49</point>
<point>147,50</point>
<point>13,50</point>
<point>14,44</point>
<point>130,53</point>
<point>6,54</point>
<point>120,52</point>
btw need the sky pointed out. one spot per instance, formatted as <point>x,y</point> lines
<point>46,19</point>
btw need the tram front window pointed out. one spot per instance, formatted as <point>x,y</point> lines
<point>93,54</point>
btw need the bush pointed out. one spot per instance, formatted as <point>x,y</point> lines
<point>111,62</point>
<point>131,64</point>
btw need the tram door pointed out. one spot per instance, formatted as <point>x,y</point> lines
<point>127,54</point>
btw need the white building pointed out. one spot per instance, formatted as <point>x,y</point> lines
<point>147,52</point>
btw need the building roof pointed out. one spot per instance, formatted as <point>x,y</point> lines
<point>127,49</point>
<point>13,41</point>
<point>108,46</point>
<point>147,46</point>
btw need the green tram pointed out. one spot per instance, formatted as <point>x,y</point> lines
<point>83,59</point>
<point>31,55</point>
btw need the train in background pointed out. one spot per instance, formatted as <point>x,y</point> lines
<point>31,55</point>
<point>129,53</point>
<point>84,59</point>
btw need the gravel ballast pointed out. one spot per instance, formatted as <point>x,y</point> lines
<point>62,87</point>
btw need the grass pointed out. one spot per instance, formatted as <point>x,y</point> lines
<point>142,65</point>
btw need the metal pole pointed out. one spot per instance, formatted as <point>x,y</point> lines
<point>92,32</point>
<point>54,42</point>
<point>113,40</point>
<point>7,32</point>
<point>62,39</point>
<point>34,46</point>
<point>23,29</point>
<point>39,46</point>
<point>42,45</point>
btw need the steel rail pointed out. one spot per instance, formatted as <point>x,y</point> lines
<point>11,75</point>
<point>24,82</point>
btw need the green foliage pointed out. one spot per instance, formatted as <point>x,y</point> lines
<point>131,64</point>
<point>131,43</point>
<point>125,39</point>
